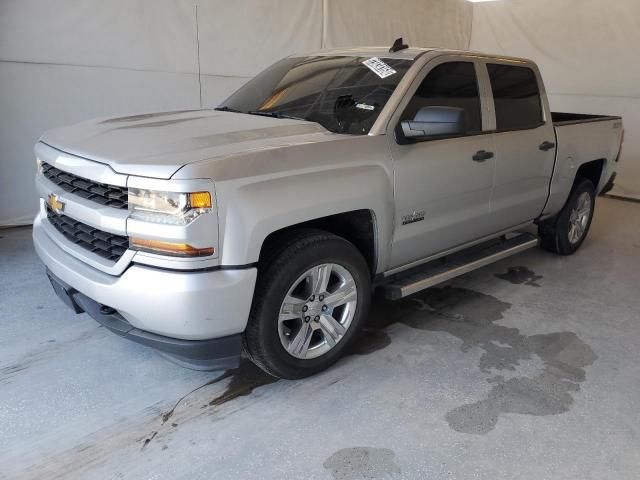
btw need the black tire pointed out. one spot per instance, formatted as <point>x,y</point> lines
<point>281,265</point>
<point>554,234</point>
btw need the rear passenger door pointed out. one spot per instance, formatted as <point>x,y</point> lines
<point>524,142</point>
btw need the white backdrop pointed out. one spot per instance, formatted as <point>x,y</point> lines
<point>587,51</point>
<point>69,60</point>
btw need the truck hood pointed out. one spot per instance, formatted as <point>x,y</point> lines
<point>158,144</point>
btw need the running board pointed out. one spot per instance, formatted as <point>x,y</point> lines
<point>443,269</point>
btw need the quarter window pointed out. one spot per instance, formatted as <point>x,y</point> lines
<point>516,96</point>
<point>452,85</point>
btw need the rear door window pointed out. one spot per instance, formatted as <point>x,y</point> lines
<point>516,96</point>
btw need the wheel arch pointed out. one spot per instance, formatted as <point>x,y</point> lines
<point>356,226</point>
<point>590,171</point>
<point>566,178</point>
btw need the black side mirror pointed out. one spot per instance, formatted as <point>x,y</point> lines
<point>435,122</point>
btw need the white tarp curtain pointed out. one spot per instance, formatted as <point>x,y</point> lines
<point>69,60</point>
<point>587,51</point>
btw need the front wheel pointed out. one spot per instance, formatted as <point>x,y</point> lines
<point>312,295</point>
<point>566,233</point>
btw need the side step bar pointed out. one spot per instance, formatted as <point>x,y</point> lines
<point>443,269</point>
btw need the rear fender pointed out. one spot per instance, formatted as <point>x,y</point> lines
<point>577,145</point>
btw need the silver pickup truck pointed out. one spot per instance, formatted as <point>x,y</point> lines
<point>264,225</point>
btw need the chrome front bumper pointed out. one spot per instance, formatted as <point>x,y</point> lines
<point>188,305</point>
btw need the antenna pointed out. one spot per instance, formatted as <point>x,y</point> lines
<point>398,45</point>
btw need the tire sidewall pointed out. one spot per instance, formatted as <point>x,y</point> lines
<point>290,268</point>
<point>562,227</point>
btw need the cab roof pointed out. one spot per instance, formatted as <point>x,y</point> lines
<point>381,52</point>
<point>410,53</point>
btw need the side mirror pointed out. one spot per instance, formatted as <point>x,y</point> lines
<point>434,122</point>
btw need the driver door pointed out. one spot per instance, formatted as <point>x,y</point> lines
<point>443,178</point>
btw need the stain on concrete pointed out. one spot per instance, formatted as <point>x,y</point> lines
<point>374,337</point>
<point>559,359</point>
<point>520,276</point>
<point>549,393</point>
<point>11,370</point>
<point>333,382</point>
<point>244,380</point>
<point>360,463</point>
<point>471,317</point>
<point>147,440</point>
<point>370,340</point>
<point>42,353</point>
<point>168,414</point>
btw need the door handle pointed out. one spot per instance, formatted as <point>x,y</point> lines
<point>482,155</point>
<point>544,146</point>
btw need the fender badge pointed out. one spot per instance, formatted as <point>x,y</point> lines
<point>55,204</point>
<point>413,217</point>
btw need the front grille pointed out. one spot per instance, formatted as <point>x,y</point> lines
<point>105,244</point>
<point>109,195</point>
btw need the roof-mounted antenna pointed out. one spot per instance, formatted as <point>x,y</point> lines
<point>398,45</point>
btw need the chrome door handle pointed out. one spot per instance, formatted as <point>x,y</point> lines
<point>482,155</point>
<point>544,146</point>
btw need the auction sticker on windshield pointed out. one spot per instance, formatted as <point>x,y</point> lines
<point>378,67</point>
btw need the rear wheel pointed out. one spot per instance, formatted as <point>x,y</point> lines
<point>311,297</point>
<point>566,233</point>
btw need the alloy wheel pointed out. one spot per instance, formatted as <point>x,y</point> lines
<point>579,218</point>
<point>317,311</point>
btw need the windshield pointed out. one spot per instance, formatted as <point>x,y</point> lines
<point>341,93</point>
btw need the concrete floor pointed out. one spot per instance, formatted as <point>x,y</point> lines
<point>526,369</point>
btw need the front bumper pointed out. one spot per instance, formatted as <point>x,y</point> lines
<point>180,305</point>
<point>214,354</point>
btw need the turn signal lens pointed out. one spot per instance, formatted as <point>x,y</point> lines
<point>200,200</point>
<point>169,248</point>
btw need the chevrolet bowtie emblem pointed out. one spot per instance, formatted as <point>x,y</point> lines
<point>54,203</point>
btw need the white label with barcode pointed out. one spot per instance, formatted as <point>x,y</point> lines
<point>378,67</point>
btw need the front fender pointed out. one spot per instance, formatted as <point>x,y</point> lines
<point>250,212</point>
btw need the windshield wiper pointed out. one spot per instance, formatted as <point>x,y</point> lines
<point>259,112</point>
<point>275,115</point>
<point>228,109</point>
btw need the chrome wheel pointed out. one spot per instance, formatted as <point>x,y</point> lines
<point>579,218</point>
<point>317,311</point>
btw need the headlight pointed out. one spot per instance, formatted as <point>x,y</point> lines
<point>167,207</point>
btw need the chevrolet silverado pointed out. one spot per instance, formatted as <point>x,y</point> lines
<point>265,224</point>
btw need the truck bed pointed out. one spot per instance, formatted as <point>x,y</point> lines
<point>561,118</point>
